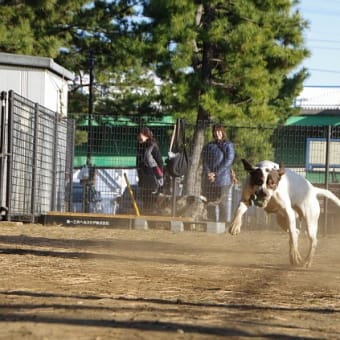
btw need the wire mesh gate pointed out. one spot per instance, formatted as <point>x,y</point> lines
<point>36,158</point>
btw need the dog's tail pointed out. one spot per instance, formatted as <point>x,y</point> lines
<point>328,194</point>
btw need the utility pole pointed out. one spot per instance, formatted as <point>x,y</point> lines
<point>91,62</point>
<point>87,183</point>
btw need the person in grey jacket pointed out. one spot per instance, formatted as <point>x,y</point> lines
<point>218,157</point>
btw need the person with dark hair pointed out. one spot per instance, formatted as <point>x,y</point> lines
<point>149,164</point>
<point>218,157</point>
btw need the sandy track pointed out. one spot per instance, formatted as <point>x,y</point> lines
<point>93,283</point>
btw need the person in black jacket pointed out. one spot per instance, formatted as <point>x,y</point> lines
<point>149,168</point>
<point>218,157</point>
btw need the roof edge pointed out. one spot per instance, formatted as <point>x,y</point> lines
<point>35,62</point>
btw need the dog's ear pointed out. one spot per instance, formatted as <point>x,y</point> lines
<point>247,166</point>
<point>282,169</point>
<point>273,178</point>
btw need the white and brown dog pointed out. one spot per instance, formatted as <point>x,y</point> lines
<point>288,195</point>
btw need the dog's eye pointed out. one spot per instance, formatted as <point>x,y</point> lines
<point>256,177</point>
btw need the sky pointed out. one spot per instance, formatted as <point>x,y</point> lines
<point>323,40</point>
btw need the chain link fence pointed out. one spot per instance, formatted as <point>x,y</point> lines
<point>313,152</point>
<point>42,170</point>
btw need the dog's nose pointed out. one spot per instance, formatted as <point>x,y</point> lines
<point>260,194</point>
<point>259,198</point>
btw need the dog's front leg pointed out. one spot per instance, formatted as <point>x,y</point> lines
<point>294,254</point>
<point>235,226</point>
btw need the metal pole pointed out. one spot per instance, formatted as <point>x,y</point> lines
<point>174,196</point>
<point>325,217</point>
<point>2,144</point>
<point>90,109</point>
<point>88,181</point>
<point>9,160</point>
<point>34,189</point>
<point>56,175</point>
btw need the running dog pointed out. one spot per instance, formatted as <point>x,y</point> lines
<point>288,195</point>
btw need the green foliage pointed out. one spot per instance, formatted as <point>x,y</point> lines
<point>253,144</point>
<point>239,56</point>
<point>81,137</point>
<point>232,61</point>
<point>36,27</point>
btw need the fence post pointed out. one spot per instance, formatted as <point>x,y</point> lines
<point>70,138</point>
<point>174,196</point>
<point>9,153</point>
<point>3,97</point>
<point>54,162</point>
<point>34,161</point>
<point>325,217</point>
<point>91,61</point>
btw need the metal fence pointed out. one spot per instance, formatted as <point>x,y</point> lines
<point>41,169</point>
<point>36,159</point>
<point>313,152</point>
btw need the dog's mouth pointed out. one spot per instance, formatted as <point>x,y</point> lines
<point>259,198</point>
<point>255,200</point>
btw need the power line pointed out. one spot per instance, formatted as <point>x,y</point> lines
<point>324,12</point>
<point>325,41</point>
<point>324,48</point>
<point>323,70</point>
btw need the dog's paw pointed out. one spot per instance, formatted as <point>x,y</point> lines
<point>307,263</point>
<point>295,258</point>
<point>234,229</point>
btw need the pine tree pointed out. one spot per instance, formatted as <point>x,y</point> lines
<point>69,31</point>
<point>36,27</point>
<point>107,30</point>
<point>231,61</point>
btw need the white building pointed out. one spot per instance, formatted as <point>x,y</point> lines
<point>38,79</point>
<point>319,97</point>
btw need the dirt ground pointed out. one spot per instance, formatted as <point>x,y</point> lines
<point>96,283</point>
